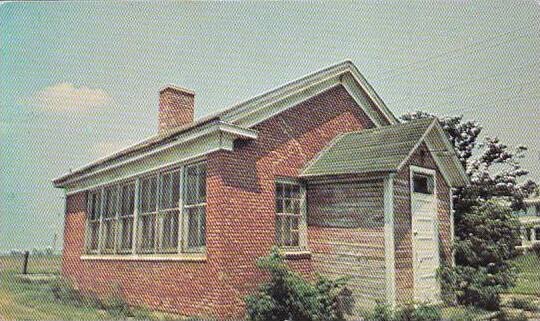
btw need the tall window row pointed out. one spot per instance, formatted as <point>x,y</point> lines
<point>160,213</point>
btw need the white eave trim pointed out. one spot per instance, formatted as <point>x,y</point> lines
<point>443,169</point>
<point>230,130</point>
<point>344,73</point>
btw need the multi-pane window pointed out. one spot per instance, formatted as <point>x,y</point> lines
<point>94,216</point>
<point>169,211</point>
<point>289,214</point>
<point>126,216</point>
<point>195,206</point>
<point>108,225</point>
<point>150,214</point>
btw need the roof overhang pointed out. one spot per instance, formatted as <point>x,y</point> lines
<point>387,149</point>
<point>218,131</point>
<point>192,145</point>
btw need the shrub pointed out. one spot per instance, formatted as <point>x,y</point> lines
<point>407,312</point>
<point>486,242</point>
<point>536,249</point>
<point>381,312</point>
<point>422,312</point>
<point>523,304</point>
<point>287,296</point>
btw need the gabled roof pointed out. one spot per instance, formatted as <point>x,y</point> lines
<point>241,117</point>
<point>387,149</point>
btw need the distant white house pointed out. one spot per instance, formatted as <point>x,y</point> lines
<point>530,222</point>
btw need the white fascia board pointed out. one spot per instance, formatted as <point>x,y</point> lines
<point>427,137</point>
<point>418,143</point>
<point>227,133</point>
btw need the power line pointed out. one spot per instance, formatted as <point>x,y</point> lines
<point>453,51</point>
<point>480,106</point>
<point>455,85</point>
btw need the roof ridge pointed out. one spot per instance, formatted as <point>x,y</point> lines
<point>374,129</point>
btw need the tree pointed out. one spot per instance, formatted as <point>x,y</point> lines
<point>486,231</point>
<point>494,170</point>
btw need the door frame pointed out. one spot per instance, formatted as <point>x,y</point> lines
<point>426,171</point>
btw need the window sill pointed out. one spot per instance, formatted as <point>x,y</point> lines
<point>297,255</point>
<point>186,257</point>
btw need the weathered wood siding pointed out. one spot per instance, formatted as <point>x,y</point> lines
<point>346,236</point>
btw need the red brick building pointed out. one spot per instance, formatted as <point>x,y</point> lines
<point>318,167</point>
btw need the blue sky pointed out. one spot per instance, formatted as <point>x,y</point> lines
<point>79,80</point>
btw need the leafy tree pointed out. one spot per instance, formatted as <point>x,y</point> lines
<point>287,296</point>
<point>493,168</point>
<point>486,230</point>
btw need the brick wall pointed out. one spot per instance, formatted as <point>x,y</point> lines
<point>240,217</point>
<point>402,220</point>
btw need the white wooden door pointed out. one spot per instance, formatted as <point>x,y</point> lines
<point>425,246</point>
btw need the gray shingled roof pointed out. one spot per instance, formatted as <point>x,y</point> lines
<point>380,149</point>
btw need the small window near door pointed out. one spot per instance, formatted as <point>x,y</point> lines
<point>423,184</point>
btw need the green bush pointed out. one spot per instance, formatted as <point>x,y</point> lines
<point>287,296</point>
<point>406,312</point>
<point>486,242</point>
<point>381,312</point>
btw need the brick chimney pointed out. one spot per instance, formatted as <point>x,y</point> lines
<point>176,105</point>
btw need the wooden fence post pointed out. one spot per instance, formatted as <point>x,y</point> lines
<point>25,264</point>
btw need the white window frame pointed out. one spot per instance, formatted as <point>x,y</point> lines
<point>89,222</point>
<point>121,218</point>
<point>186,207</point>
<point>302,217</point>
<point>136,251</point>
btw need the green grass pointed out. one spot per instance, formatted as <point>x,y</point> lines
<point>24,300</point>
<point>460,313</point>
<point>36,264</point>
<point>528,282</point>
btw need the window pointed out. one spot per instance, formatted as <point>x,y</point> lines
<point>108,225</point>
<point>150,214</point>
<point>423,184</point>
<point>126,216</point>
<point>195,206</point>
<point>289,214</point>
<point>94,216</point>
<point>169,211</point>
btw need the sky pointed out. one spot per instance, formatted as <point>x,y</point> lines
<point>79,80</point>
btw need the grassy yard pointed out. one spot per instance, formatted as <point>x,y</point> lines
<point>528,282</point>
<point>24,300</point>
<point>20,299</point>
<point>36,264</point>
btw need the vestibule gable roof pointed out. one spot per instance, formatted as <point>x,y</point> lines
<point>239,118</point>
<point>387,149</point>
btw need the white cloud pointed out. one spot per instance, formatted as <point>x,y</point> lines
<point>66,97</point>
